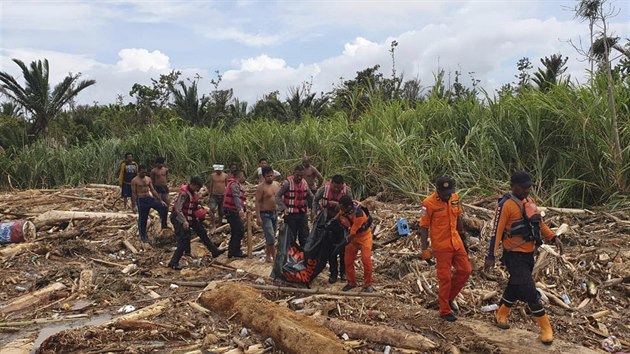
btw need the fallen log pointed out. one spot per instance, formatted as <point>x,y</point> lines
<point>291,332</point>
<point>22,345</point>
<point>151,310</point>
<point>129,246</point>
<point>313,291</point>
<point>102,186</point>
<point>10,251</point>
<point>384,335</point>
<point>28,300</point>
<point>53,217</point>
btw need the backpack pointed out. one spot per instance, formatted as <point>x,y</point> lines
<point>366,225</point>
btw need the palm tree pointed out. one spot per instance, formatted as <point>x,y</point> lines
<point>36,96</point>
<point>188,105</point>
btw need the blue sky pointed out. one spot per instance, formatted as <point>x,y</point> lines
<point>261,46</point>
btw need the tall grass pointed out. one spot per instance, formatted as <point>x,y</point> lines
<point>562,137</point>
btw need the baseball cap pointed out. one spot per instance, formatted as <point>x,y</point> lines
<point>445,184</point>
<point>522,179</point>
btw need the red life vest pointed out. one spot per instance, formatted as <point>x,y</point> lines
<point>330,196</point>
<point>189,206</point>
<point>228,200</point>
<point>295,197</point>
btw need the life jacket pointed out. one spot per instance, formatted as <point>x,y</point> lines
<point>191,205</point>
<point>528,227</point>
<point>330,196</point>
<point>295,197</point>
<point>358,210</point>
<point>228,200</point>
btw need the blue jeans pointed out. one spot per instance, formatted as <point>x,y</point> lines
<point>269,225</point>
<point>144,206</point>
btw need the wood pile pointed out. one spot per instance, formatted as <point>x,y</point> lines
<point>69,289</point>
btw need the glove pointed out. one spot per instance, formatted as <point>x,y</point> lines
<point>427,254</point>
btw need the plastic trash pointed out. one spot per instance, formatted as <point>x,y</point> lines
<point>565,299</point>
<point>269,342</point>
<point>387,349</point>
<point>244,332</point>
<point>542,295</point>
<point>403,227</point>
<point>260,281</point>
<point>611,344</point>
<point>126,309</point>
<point>345,336</point>
<point>174,286</point>
<point>488,308</point>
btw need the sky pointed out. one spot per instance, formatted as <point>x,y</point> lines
<point>263,46</point>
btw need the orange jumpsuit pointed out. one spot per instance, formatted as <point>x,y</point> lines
<point>360,240</point>
<point>441,219</point>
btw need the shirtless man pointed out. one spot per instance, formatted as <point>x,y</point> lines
<point>146,197</point>
<point>310,173</point>
<point>216,189</point>
<point>266,213</point>
<point>159,176</point>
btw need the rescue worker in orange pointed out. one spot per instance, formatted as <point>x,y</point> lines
<point>354,216</point>
<point>518,228</point>
<point>441,219</point>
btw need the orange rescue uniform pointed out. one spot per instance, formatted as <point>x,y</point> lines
<point>440,218</point>
<point>507,221</point>
<point>360,240</point>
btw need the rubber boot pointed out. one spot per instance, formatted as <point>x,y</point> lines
<point>502,317</point>
<point>546,332</point>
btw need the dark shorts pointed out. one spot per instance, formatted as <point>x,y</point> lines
<point>125,191</point>
<point>216,201</point>
<point>161,189</point>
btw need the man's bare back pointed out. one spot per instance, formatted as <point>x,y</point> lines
<point>159,176</point>
<point>218,183</point>
<point>266,196</point>
<point>141,187</point>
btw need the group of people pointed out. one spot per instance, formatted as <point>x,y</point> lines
<point>518,228</point>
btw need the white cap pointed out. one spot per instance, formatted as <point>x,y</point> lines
<point>217,167</point>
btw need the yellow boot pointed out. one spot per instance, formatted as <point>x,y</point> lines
<point>546,332</point>
<point>502,317</point>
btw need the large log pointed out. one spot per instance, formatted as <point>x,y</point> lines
<point>58,216</point>
<point>27,300</point>
<point>291,332</point>
<point>384,335</point>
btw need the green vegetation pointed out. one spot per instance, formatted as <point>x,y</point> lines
<point>562,136</point>
<point>388,136</point>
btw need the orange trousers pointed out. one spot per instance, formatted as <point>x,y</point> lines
<point>358,243</point>
<point>450,284</point>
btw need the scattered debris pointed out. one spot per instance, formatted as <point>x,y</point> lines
<point>85,260</point>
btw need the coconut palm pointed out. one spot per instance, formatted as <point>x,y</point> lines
<point>36,96</point>
<point>189,105</point>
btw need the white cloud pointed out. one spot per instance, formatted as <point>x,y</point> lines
<point>253,40</point>
<point>142,60</point>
